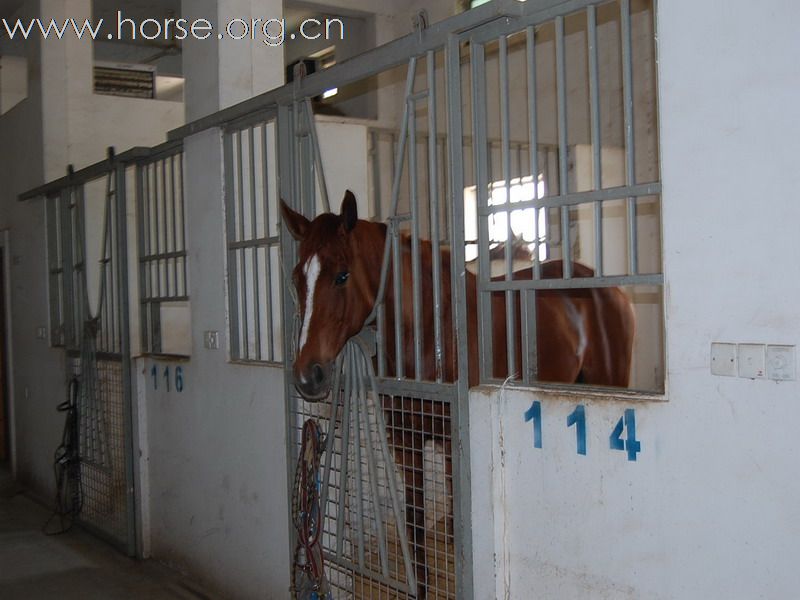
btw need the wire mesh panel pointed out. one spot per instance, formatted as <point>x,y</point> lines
<point>254,268</point>
<point>163,285</point>
<point>87,251</point>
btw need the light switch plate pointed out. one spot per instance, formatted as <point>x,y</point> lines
<point>723,359</point>
<point>781,363</point>
<point>211,340</point>
<point>752,361</point>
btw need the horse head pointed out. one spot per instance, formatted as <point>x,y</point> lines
<point>335,289</point>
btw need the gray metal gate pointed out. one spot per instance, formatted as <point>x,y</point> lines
<point>91,323</point>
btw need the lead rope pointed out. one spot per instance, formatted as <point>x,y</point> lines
<point>309,582</point>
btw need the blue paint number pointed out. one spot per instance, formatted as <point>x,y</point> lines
<point>154,373</point>
<point>534,413</point>
<point>630,443</point>
<point>578,418</point>
<point>179,379</point>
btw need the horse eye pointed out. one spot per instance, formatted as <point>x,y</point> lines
<point>341,278</point>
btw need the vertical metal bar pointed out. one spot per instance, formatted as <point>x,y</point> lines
<point>230,227</point>
<point>416,268</point>
<point>125,347</point>
<point>164,291</point>
<point>286,189</point>
<point>533,139</point>
<point>140,209</point>
<point>375,157</point>
<point>594,109</point>
<point>372,469</point>
<point>397,266</point>
<point>185,278</point>
<point>485,334</point>
<point>312,132</point>
<point>505,155</point>
<point>627,102</point>
<point>173,208</point>
<point>241,257</point>
<point>462,503</point>
<point>253,235</point>
<point>346,426</point>
<point>433,193</point>
<point>359,476</point>
<point>561,83</point>
<point>330,434</point>
<point>268,259</point>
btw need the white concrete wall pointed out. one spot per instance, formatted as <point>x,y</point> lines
<point>215,453</point>
<point>710,506</point>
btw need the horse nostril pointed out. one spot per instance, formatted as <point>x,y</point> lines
<point>317,374</point>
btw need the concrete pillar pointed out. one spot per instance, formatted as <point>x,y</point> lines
<point>66,82</point>
<point>223,72</point>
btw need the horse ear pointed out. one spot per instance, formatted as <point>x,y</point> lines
<point>296,223</point>
<point>349,211</point>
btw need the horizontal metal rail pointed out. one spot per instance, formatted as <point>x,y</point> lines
<point>560,200</point>
<point>571,284</point>
<point>101,168</point>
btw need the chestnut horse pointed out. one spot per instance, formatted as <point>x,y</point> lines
<point>583,335</point>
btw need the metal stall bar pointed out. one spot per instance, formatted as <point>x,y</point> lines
<point>627,103</point>
<point>433,194</point>
<point>312,132</point>
<point>268,260</point>
<point>481,158</point>
<point>254,235</point>
<point>459,410</point>
<point>505,158</point>
<point>416,268</point>
<point>594,112</point>
<point>144,249</point>
<point>240,264</point>
<point>230,226</point>
<point>125,351</point>
<point>561,84</point>
<point>172,195</point>
<point>530,359</point>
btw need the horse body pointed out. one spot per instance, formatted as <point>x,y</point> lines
<point>582,334</point>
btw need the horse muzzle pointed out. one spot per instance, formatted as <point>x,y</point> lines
<point>314,381</point>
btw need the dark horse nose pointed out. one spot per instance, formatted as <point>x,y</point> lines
<point>314,381</point>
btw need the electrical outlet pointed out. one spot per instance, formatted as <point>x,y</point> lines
<point>211,340</point>
<point>41,333</point>
<point>752,361</point>
<point>723,359</point>
<point>781,363</point>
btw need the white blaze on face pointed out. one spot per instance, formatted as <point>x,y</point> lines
<point>311,271</point>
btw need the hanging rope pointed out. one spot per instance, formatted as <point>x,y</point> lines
<point>309,582</point>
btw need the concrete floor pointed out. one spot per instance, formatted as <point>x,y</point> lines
<point>74,565</point>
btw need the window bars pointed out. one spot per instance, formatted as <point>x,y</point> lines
<point>253,242</point>
<point>163,285</point>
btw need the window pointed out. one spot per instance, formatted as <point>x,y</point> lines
<point>254,268</point>
<point>163,281</point>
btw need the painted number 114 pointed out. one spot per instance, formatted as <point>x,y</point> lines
<point>623,436</point>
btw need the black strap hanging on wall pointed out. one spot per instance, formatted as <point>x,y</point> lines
<point>67,466</point>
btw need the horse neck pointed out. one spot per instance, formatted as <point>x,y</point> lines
<point>369,249</point>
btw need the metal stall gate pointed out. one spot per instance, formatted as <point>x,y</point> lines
<point>518,127</point>
<point>87,254</point>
